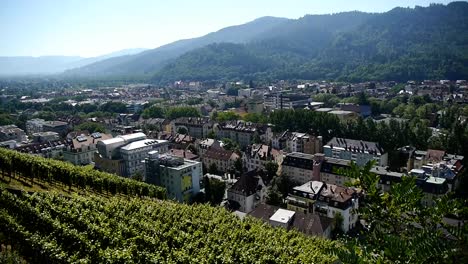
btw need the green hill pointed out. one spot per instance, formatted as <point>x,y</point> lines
<point>402,44</point>
<point>148,62</point>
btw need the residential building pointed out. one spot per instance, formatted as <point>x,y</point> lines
<point>181,177</point>
<point>309,224</point>
<point>327,200</point>
<point>331,172</point>
<point>12,132</point>
<point>243,133</point>
<point>40,137</point>
<point>34,125</point>
<point>436,163</point>
<point>223,159</point>
<point>299,167</point>
<point>124,154</point>
<point>181,141</point>
<point>55,126</point>
<point>203,145</point>
<point>257,155</point>
<point>197,127</point>
<point>81,150</point>
<point>49,149</point>
<point>160,124</point>
<point>285,101</point>
<point>303,198</point>
<point>184,153</point>
<point>248,191</point>
<point>297,142</point>
<point>358,151</point>
<point>244,92</point>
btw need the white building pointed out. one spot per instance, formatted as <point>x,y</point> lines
<point>282,218</point>
<point>124,155</point>
<point>358,151</point>
<point>135,152</point>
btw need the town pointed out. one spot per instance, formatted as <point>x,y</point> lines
<point>277,152</point>
<point>234,131</point>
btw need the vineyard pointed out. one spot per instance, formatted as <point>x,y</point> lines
<point>53,228</point>
<point>128,225</point>
<point>35,169</point>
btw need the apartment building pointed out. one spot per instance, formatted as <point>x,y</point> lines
<point>181,177</point>
<point>124,155</point>
<point>358,151</point>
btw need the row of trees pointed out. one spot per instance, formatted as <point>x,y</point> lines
<point>170,113</point>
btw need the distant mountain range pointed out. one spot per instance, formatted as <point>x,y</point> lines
<point>148,62</point>
<point>23,65</point>
<point>401,44</point>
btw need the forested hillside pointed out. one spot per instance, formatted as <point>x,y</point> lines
<point>402,44</point>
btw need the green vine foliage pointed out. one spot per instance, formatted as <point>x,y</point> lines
<point>52,228</point>
<point>31,167</point>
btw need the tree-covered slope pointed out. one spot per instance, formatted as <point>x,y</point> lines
<point>404,43</point>
<point>152,60</point>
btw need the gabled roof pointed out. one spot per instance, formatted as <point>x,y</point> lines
<point>337,193</point>
<point>247,184</point>
<point>263,152</point>
<point>186,154</point>
<point>219,154</point>
<point>355,145</point>
<point>39,147</point>
<point>198,121</point>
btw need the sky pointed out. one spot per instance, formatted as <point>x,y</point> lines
<point>95,27</point>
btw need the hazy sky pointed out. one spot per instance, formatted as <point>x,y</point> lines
<point>96,27</point>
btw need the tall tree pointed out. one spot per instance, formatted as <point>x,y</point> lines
<point>399,227</point>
